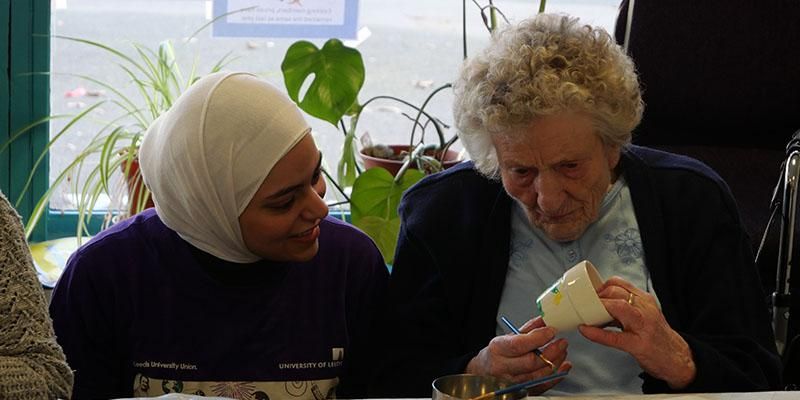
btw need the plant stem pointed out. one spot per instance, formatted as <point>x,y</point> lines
<point>541,5</point>
<point>419,114</point>
<point>217,18</point>
<point>464,26</point>
<point>419,109</point>
<point>421,149</point>
<point>492,17</point>
<point>336,185</point>
<point>447,147</point>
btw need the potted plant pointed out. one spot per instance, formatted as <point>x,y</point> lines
<point>338,75</point>
<point>426,157</point>
<point>119,123</point>
<point>374,193</point>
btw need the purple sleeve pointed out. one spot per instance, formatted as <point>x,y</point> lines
<point>83,309</point>
<point>367,281</point>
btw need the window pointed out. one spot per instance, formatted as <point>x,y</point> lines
<point>412,46</point>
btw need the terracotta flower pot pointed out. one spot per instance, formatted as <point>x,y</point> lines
<point>393,166</point>
<point>135,184</point>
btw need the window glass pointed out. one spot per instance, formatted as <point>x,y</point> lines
<point>413,46</point>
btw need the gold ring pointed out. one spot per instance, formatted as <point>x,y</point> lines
<point>630,298</point>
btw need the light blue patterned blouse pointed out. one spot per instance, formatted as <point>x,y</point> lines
<point>614,246</point>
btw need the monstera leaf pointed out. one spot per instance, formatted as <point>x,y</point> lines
<point>346,170</point>
<point>338,73</point>
<point>384,232</point>
<point>373,206</point>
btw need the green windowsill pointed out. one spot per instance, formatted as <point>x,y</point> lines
<point>62,224</point>
<point>50,256</point>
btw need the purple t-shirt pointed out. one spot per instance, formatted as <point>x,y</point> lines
<point>139,311</point>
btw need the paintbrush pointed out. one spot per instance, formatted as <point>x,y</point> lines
<point>537,351</point>
<point>520,386</point>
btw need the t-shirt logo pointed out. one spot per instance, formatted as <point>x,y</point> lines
<point>338,353</point>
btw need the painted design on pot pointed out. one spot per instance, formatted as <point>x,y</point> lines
<point>539,307</point>
<point>558,295</point>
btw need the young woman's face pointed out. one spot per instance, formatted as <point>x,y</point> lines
<point>281,222</point>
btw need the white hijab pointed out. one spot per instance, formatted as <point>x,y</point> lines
<point>206,157</point>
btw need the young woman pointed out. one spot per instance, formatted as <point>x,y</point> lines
<point>238,284</point>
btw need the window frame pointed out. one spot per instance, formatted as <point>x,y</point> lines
<point>25,97</point>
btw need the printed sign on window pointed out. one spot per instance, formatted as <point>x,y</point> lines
<point>301,19</point>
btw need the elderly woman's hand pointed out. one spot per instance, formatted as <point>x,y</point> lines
<point>510,357</point>
<point>646,335</point>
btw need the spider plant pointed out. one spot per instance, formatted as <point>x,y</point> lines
<point>108,164</point>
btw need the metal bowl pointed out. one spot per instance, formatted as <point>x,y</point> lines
<point>467,386</point>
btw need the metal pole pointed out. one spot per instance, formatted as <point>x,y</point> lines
<point>781,298</point>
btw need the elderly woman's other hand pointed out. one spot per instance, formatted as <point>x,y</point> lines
<point>646,335</point>
<point>511,357</point>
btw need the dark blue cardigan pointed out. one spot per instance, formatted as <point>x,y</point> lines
<point>452,257</point>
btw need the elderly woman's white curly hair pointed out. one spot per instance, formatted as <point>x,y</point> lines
<point>545,65</point>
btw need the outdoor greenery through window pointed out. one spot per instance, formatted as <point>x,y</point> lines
<point>409,48</point>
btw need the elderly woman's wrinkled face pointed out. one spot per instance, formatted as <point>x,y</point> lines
<point>559,170</point>
<point>281,222</point>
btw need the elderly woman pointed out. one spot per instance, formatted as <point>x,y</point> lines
<point>32,365</point>
<point>546,113</point>
<point>238,284</point>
